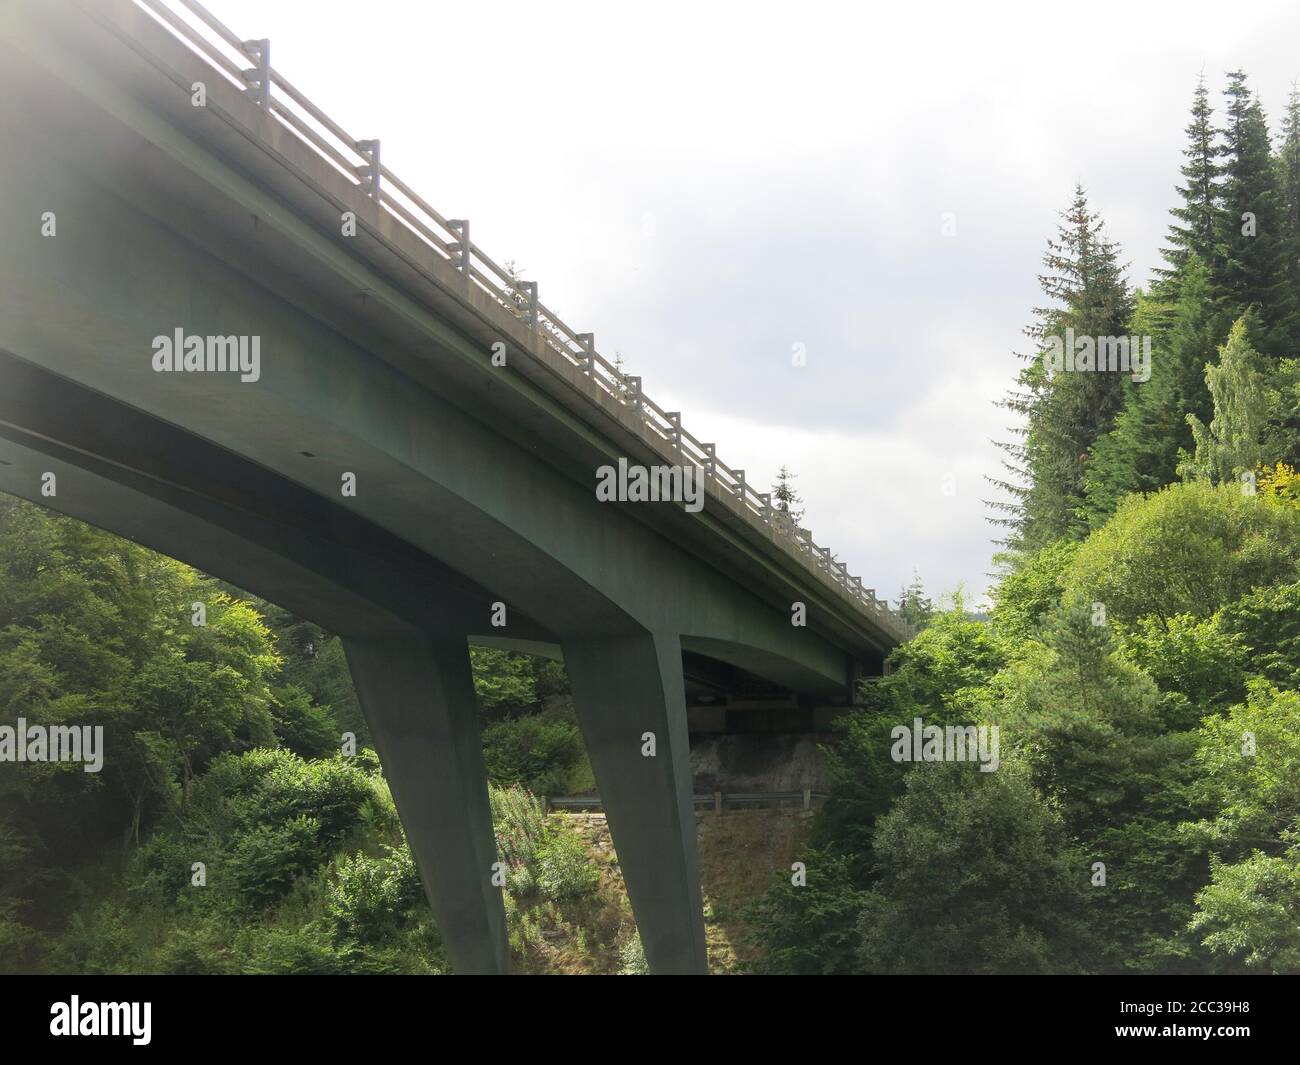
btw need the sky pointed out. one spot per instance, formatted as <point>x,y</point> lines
<point>707,185</point>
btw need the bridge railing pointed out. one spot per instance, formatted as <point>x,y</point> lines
<point>247,65</point>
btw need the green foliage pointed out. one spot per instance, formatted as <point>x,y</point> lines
<point>938,675</point>
<point>371,900</point>
<point>1249,761</point>
<point>978,876</point>
<point>260,822</point>
<point>519,823</point>
<point>810,930</point>
<point>565,869</point>
<point>631,957</point>
<point>1233,443</point>
<point>506,681</point>
<point>1064,413</point>
<point>1188,549</point>
<point>1267,624</point>
<point>1086,721</point>
<point>1031,587</point>
<point>1141,453</point>
<point>1197,664</point>
<point>1250,913</point>
<point>544,753</point>
<point>914,606</point>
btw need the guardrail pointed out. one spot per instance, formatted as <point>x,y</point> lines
<point>360,162</point>
<point>718,800</point>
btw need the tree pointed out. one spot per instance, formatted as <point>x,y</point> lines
<point>1086,720</point>
<point>1195,233</point>
<point>784,497</point>
<point>1064,413</point>
<point>1187,549</point>
<point>1288,183</point>
<point>976,876</point>
<point>1233,443</point>
<point>914,606</point>
<point>1250,913</point>
<point>1141,453</point>
<point>1251,268</point>
<point>810,929</point>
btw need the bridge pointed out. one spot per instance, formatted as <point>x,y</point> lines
<point>407,454</point>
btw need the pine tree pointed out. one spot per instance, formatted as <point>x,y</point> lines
<point>1198,223</point>
<point>785,499</point>
<point>1288,183</point>
<point>1251,272</point>
<point>1141,453</point>
<point>914,606</point>
<point>1065,413</point>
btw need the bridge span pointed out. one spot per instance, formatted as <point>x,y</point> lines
<point>411,463</point>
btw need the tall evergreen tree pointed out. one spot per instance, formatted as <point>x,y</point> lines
<point>1064,413</point>
<point>1288,183</point>
<point>1197,225</point>
<point>1251,273</point>
<point>1141,453</point>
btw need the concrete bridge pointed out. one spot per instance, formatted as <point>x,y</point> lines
<point>412,462</point>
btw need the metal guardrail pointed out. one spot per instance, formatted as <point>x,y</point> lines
<point>247,64</point>
<point>718,800</point>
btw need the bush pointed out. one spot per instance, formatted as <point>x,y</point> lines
<point>518,822</point>
<point>1187,549</point>
<point>564,867</point>
<point>370,898</point>
<point>537,751</point>
<point>264,863</point>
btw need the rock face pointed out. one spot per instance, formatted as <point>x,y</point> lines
<point>758,762</point>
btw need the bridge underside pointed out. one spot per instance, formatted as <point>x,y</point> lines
<point>472,487</point>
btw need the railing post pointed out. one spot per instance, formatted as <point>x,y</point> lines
<point>634,392</point>
<point>766,499</point>
<point>460,248</point>
<point>588,342</point>
<point>710,459</point>
<point>369,170</point>
<point>675,428</point>
<point>259,77</point>
<point>530,290</point>
<point>740,485</point>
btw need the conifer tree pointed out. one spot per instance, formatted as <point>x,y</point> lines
<point>1065,413</point>
<point>1141,453</point>
<point>1288,183</point>
<point>1251,272</point>
<point>914,606</point>
<point>1197,225</point>
<point>784,497</point>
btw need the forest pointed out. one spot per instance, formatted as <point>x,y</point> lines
<point>1140,661</point>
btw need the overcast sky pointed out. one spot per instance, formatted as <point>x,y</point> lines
<point>706,185</point>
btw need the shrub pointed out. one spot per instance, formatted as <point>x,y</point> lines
<point>536,751</point>
<point>1187,549</point>
<point>564,867</point>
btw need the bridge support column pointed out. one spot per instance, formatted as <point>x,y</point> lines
<point>418,697</point>
<point>623,689</point>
